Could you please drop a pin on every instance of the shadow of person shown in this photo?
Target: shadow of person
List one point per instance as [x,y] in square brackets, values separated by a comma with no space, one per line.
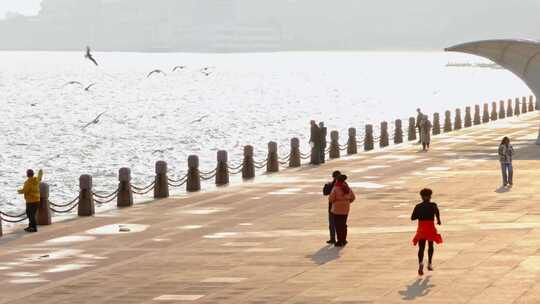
[502,189]
[417,289]
[325,254]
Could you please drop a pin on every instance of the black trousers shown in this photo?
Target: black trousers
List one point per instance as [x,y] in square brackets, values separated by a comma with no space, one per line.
[331,225]
[31,211]
[340,222]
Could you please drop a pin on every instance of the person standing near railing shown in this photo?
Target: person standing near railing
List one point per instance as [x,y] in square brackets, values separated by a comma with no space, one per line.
[419,118]
[506,152]
[324,132]
[32,197]
[315,142]
[425,132]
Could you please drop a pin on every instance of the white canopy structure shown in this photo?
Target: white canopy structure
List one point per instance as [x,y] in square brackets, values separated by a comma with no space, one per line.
[521,57]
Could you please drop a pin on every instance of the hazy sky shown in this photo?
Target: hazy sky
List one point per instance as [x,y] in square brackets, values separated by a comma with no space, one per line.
[27,7]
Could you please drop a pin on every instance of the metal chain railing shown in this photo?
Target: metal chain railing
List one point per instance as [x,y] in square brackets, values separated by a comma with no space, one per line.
[63,205]
[144,188]
[64,211]
[4,218]
[106,196]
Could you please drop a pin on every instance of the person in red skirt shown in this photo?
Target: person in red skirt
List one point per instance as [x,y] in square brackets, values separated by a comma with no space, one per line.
[425,213]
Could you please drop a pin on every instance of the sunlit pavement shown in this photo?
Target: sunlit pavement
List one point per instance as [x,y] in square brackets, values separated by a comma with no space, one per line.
[264,242]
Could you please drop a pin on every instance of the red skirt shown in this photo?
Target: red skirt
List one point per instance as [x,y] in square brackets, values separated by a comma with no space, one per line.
[427,231]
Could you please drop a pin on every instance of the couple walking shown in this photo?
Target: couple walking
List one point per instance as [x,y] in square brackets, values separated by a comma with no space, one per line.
[340,198]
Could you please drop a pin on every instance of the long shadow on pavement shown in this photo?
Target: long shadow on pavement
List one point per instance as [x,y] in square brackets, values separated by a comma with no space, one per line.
[325,254]
[418,289]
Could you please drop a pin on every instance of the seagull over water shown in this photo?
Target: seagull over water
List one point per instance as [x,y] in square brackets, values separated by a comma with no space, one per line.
[72,82]
[156,71]
[89,86]
[200,119]
[178,67]
[89,56]
[93,122]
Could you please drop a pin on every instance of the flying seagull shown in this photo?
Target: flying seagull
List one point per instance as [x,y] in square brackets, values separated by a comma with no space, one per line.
[72,82]
[155,71]
[200,119]
[89,56]
[93,122]
[89,86]
[178,67]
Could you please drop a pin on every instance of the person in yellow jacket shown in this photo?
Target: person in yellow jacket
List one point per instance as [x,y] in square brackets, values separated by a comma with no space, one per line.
[32,197]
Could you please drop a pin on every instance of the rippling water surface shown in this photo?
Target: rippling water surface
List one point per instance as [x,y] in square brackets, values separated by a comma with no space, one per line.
[246,99]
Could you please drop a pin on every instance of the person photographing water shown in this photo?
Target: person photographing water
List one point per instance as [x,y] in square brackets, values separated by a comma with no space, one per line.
[425,213]
[32,197]
[506,152]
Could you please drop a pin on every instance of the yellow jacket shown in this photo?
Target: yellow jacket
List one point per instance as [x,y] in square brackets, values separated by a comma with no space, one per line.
[31,188]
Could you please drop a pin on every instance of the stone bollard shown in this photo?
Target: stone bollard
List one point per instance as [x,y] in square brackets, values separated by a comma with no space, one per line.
[193,183]
[537,103]
[531,104]
[447,122]
[436,124]
[485,115]
[161,185]
[248,166]
[457,120]
[44,213]
[384,139]
[524,105]
[509,109]
[517,110]
[334,145]
[352,145]
[86,196]
[468,118]
[273,162]
[295,159]
[398,132]
[125,195]
[222,169]
[1,233]
[494,115]
[502,111]
[368,138]
[412,129]
[477,119]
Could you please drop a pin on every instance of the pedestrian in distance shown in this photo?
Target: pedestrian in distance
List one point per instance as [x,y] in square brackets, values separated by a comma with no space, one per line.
[341,199]
[419,118]
[425,213]
[324,143]
[32,197]
[327,190]
[315,142]
[425,132]
[506,153]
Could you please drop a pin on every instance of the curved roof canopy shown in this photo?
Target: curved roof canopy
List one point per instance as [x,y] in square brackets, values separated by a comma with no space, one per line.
[521,57]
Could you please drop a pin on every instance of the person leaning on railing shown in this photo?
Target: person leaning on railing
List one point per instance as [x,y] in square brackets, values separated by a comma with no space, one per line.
[32,197]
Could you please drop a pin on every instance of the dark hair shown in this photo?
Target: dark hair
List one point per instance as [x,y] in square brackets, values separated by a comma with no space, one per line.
[29,173]
[342,178]
[426,192]
[505,139]
[336,174]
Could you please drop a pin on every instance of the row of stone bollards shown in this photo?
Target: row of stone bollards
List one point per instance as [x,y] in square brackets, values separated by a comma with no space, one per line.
[86,200]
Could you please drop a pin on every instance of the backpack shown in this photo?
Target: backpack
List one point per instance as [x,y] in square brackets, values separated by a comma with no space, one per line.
[327,189]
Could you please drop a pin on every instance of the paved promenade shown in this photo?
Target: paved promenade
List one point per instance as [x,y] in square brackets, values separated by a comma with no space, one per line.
[264,242]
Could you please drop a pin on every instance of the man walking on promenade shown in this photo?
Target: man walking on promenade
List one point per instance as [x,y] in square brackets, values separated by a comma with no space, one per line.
[315,142]
[326,192]
[32,198]
[506,152]
[419,118]
[323,129]
[425,133]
